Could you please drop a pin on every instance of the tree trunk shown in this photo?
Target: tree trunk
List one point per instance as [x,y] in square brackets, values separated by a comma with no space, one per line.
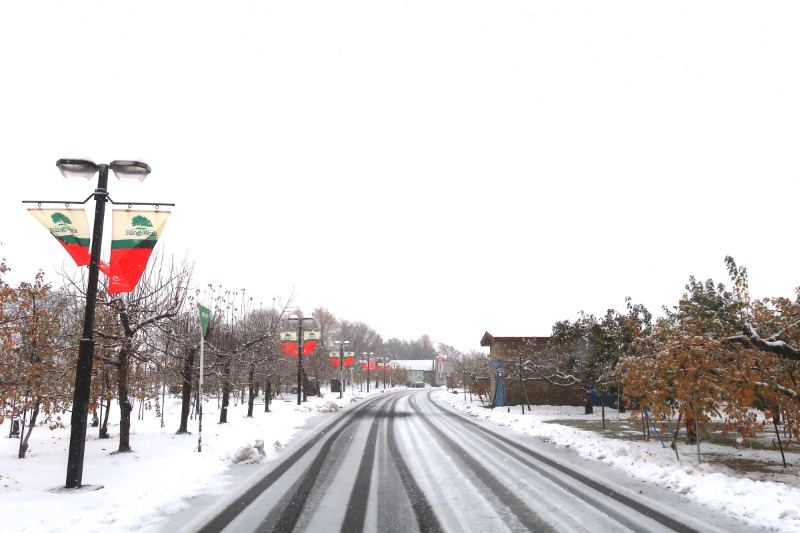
[104,425]
[675,435]
[252,390]
[267,395]
[603,410]
[691,433]
[125,407]
[226,391]
[23,448]
[186,391]
[103,433]
[588,407]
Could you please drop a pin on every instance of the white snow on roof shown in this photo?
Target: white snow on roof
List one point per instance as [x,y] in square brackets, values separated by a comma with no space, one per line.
[414,364]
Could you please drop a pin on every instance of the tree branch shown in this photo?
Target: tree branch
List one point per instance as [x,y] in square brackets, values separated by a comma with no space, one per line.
[773,346]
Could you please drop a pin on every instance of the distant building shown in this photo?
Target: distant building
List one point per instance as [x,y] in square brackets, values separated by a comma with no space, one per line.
[434,372]
[505,351]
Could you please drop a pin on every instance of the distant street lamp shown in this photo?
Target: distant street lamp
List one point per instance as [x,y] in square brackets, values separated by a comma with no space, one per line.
[368,356]
[81,169]
[384,363]
[392,369]
[341,345]
[300,386]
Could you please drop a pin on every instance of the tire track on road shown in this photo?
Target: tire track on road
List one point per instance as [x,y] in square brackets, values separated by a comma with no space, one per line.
[218,522]
[426,518]
[638,506]
[531,520]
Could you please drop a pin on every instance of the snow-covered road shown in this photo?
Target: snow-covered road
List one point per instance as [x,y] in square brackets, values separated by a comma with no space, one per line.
[404,462]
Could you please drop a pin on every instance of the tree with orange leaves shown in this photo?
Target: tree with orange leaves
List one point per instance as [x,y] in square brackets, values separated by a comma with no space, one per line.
[705,361]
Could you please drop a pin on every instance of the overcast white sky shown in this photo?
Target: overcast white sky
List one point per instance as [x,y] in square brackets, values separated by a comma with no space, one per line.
[425,167]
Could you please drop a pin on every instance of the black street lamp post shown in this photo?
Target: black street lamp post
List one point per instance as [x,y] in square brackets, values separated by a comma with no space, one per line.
[80,169]
[341,345]
[300,385]
[368,356]
[384,363]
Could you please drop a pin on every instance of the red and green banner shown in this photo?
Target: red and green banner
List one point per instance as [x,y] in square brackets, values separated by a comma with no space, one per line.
[349,358]
[134,234]
[289,342]
[310,340]
[70,228]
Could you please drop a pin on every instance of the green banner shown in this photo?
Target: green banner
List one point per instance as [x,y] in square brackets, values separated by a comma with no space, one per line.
[205,318]
[311,335]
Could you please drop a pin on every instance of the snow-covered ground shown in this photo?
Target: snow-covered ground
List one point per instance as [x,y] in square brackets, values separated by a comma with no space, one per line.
[754,499]
[164,470]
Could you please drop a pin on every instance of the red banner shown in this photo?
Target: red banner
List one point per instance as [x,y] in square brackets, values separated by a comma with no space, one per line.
[134,235]
[308,347]
[290,348]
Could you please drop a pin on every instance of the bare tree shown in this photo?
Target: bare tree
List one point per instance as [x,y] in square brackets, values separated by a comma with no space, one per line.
[158,298]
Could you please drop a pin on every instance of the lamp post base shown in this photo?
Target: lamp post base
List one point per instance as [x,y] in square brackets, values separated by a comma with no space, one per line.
[70,490]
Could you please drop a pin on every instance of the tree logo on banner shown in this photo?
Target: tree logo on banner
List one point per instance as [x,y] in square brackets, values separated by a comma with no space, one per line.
[141,222]
[60,219]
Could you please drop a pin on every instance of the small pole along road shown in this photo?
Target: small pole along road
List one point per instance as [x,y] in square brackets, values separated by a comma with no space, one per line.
[401,461]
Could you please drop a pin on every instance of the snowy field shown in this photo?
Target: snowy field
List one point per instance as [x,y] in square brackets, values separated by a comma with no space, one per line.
[164,471]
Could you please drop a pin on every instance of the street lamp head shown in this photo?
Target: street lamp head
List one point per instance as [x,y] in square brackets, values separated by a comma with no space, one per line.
[130,170]
[81,169]
[77,169]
